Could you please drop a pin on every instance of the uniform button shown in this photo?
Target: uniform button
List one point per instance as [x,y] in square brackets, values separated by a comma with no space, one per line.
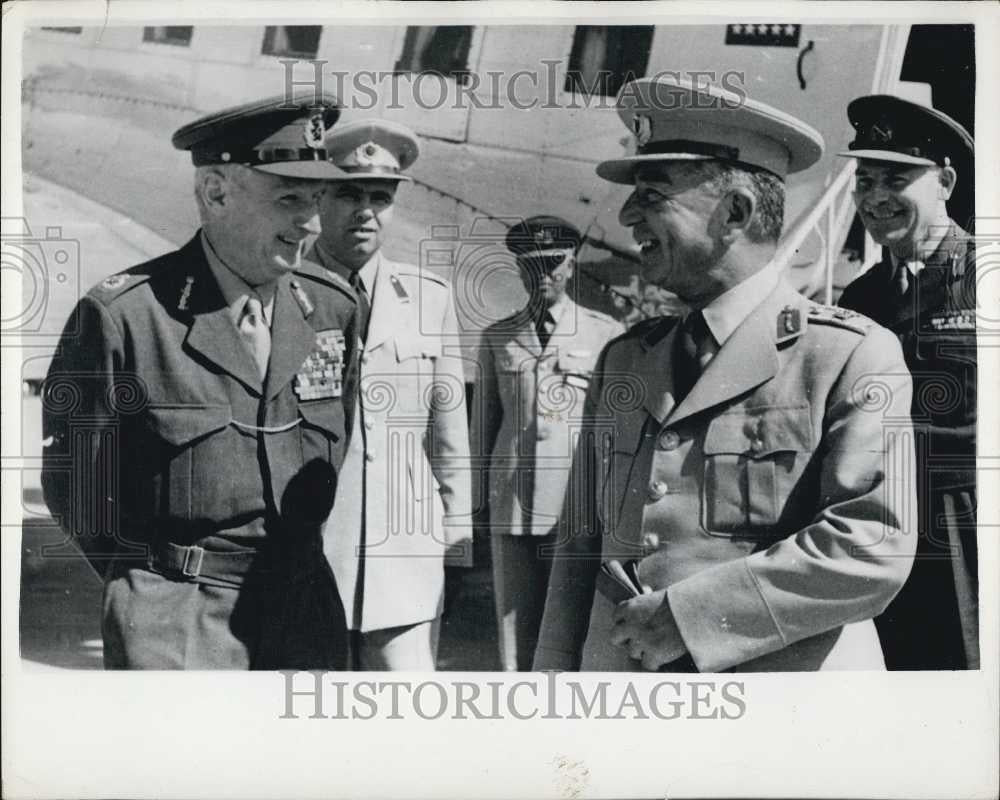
[657,489]
[757,445]
[370,455]
[364,358]
[650,540]
[668,440]
[369,424]
[542,434]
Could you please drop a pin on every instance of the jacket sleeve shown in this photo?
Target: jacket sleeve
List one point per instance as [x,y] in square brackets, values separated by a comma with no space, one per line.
[854,556]
[81,449]
[450,445]
[577,556]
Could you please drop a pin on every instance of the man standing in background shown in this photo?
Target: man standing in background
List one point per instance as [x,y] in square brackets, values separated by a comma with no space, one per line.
[924,290]
[404,501]
[535,368]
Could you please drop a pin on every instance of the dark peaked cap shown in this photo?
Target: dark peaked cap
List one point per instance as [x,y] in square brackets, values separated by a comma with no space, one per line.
[544,232]
[281,135]
[889,128]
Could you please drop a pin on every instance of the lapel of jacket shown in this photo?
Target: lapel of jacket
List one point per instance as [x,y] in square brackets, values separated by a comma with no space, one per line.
[525,334]
[933,280]
[211,332]
[292,339]
[656,370]
[747,359]
[389,298]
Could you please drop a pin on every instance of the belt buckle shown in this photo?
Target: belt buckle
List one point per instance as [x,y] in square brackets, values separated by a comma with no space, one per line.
[197,555]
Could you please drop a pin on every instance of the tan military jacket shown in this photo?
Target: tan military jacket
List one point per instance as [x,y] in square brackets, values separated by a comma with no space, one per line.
[775,503]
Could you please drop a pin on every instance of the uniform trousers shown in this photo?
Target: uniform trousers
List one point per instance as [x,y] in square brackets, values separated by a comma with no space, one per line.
[403,648]
[520,582]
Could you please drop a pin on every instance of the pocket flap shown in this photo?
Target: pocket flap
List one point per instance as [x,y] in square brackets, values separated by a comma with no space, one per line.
[325,415]
[760,432]
[181,424]
[416,347]
[576,362]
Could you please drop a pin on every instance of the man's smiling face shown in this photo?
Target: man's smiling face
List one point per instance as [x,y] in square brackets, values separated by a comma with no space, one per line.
[899,202]
[671,215]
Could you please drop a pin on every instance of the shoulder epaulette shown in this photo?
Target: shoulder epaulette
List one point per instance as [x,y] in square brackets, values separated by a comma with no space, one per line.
[600,316]
[315,272]
[411,270]
[839,318]
[115,286]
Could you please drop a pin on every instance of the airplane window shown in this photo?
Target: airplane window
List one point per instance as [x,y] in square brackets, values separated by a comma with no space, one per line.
[440,49]
[605,58]
[295,41]
[169,34]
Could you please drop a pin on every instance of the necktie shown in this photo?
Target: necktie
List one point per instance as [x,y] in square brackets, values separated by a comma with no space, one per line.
[545,325]
[253,328]
[364,304]
[901,280]
[692,353]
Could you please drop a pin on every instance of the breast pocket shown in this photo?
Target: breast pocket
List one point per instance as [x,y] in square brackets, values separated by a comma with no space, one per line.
[418,387]
[194,455]
[752,461]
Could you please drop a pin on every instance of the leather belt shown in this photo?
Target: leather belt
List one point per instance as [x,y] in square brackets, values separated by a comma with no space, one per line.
[197,564]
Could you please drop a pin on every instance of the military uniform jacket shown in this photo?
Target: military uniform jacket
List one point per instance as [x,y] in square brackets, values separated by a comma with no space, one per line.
[161,430]
[774,503]
[936,326]
[406,496]
[934,622]
[527,411]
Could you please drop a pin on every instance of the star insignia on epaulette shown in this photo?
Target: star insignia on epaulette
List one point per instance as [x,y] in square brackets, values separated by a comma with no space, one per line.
[114,282]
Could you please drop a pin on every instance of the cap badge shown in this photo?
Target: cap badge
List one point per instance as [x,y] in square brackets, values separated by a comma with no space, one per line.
[365,154]
[314,131]
[880,132]
[544,237]
[642,127]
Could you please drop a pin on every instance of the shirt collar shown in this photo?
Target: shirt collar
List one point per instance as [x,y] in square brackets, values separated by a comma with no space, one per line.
[557,309]
[235,290]
[929,246]
[727,311]
[368,272]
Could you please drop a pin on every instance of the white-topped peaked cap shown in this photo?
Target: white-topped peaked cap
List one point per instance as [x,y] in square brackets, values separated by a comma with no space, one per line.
[372,148]
[675,120]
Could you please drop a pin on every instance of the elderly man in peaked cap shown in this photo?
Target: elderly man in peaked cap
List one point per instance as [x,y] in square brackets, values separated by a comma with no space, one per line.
[197,418]
[404,503]
[535,367]
[910,161]
[744,478]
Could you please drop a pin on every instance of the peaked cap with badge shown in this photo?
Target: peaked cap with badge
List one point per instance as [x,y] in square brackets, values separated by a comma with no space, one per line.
[542,233]
[889,128]
[372,149]
[675,120]
[281,135]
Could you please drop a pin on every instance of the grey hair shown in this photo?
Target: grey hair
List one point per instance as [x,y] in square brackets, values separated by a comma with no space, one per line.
[767,188]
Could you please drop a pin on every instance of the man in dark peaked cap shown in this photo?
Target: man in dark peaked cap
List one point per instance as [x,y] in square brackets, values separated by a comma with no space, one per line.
[535,367]
[742,487]
[196,420]
[911,159]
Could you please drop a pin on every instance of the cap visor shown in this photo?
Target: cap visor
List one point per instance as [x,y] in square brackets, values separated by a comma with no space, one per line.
[622,170]
[316,170]
[344,175]
[887,155]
